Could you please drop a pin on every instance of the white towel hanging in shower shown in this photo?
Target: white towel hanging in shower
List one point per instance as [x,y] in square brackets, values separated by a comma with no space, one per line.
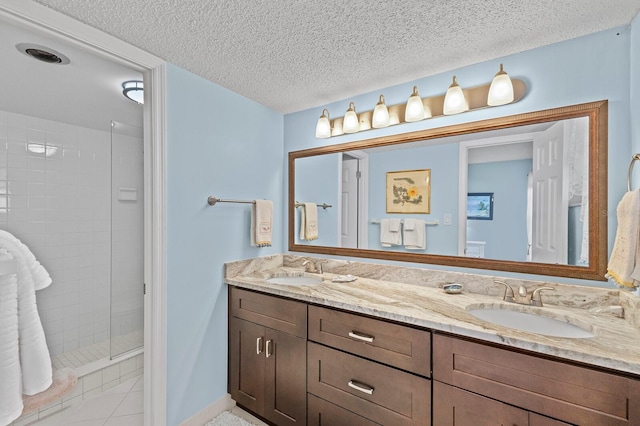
[35,361]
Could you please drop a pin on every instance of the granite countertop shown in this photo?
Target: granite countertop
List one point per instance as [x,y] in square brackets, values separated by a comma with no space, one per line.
[422,302]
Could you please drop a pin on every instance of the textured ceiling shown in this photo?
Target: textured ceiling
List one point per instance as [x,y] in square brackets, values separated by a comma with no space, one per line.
[292,55]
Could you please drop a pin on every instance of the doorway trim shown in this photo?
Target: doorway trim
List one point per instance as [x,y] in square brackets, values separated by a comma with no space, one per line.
[55,24]
[463,176]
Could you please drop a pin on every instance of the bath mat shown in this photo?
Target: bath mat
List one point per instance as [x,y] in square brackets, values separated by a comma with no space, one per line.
[63,382]
[226,418]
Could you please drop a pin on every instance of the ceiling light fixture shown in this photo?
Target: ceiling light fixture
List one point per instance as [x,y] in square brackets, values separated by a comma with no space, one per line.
[501,90]
[43,53]
[380,114]
[454,101]
[415,108]
[323,128]
[351,123]
[133,90]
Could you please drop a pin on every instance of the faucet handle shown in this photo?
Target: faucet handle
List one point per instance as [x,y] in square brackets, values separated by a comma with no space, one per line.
[319,264]
[309,265]
[536,298]
[506,297]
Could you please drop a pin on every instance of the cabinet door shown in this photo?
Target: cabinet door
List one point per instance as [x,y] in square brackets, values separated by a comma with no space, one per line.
[285,378]
[453,406]
[246,364]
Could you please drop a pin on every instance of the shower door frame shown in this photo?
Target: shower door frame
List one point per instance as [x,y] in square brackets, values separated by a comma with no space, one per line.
[41,18]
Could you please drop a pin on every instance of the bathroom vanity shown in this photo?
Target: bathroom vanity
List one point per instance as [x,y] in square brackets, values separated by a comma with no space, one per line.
[392,348]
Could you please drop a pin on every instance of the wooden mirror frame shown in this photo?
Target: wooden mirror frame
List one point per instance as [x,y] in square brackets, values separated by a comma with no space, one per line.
[598,122]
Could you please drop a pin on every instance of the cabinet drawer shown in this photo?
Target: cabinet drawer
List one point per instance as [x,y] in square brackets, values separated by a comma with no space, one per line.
[324,413]
[564,391]
[400,346]
[453,406]
[371,390]
[284,315]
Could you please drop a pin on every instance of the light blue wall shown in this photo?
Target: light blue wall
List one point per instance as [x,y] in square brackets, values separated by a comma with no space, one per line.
[590,68]
[635,96]
[211,151]
[317,182]
[442,160]
[506,234]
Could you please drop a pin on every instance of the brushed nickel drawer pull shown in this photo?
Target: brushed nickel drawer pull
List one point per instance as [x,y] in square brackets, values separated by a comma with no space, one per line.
[268,350]
[362,337]
[361,387]
[258,345]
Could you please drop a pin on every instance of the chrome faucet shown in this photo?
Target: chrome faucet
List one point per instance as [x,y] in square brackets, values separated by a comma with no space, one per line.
[313,267]
[523,297]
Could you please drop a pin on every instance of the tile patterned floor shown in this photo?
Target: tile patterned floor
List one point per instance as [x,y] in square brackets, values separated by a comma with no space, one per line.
[121,405]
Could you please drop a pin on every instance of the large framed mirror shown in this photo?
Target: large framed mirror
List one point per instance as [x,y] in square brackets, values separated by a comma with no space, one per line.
[545,173]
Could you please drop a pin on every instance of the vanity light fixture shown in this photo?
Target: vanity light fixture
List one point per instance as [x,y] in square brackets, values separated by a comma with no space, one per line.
[380,114]
[415,108]
[133,90]
[454,100]
[351,123]
[323,128]
[501,90]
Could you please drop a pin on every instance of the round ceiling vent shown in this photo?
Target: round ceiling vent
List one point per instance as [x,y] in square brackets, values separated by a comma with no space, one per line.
[42,53]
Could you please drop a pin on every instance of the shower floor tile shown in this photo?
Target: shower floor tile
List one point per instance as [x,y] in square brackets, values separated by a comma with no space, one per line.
[97,351]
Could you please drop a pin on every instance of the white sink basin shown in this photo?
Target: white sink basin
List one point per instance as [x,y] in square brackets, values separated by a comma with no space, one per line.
[530,322]
[295,280]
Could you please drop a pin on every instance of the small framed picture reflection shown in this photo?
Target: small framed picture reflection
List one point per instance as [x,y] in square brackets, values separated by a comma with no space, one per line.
[409,191]
[480,205]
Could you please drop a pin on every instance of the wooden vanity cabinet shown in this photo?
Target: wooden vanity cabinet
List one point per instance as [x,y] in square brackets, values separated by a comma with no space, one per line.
[470,376]
[267,356]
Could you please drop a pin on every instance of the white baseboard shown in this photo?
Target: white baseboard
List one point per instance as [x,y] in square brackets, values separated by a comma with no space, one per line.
[209,412]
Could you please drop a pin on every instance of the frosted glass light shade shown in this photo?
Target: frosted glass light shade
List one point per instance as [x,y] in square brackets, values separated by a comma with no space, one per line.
[134,90]
[454,100]
[414,111]
[501,90]
[351,124]
[323,128]
[380,114]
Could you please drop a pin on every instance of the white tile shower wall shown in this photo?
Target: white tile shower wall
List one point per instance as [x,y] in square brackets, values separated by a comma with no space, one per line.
[56,183]
[128,242]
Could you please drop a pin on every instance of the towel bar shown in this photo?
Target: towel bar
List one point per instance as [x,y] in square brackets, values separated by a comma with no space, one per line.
[434,222]
[633,160]
[213,200]
[323,205]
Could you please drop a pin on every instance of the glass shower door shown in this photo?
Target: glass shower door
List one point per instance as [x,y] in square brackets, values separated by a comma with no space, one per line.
[127,235]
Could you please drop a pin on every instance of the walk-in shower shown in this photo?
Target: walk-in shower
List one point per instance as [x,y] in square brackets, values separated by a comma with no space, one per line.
[74,196]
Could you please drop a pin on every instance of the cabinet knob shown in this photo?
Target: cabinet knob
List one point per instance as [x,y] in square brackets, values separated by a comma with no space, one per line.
[258,345]
[268,349]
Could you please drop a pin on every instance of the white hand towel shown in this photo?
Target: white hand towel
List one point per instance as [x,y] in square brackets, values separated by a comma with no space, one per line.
[309,222]
[11,383]
[35,361]
[261,223]
[624,264]
[409,224]
[388,237]
[414,234]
